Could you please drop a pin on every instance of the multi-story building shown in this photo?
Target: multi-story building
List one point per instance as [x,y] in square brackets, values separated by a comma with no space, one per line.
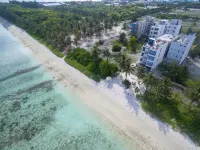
[180,47]
[173,27]
[142,28]
[165,27]
[157,30]
[154,51]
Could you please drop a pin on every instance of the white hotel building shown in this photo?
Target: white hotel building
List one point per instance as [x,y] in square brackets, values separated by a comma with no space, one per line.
[180,47]
[165,27]
[154,51]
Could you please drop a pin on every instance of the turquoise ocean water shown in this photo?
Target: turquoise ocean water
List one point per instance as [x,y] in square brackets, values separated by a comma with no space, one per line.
[38,113]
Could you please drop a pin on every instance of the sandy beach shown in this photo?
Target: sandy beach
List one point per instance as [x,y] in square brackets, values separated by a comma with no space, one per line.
[108,99]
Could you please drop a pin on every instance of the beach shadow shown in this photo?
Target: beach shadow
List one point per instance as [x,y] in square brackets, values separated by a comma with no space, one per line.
[132,104]
[110,85]
[163,127]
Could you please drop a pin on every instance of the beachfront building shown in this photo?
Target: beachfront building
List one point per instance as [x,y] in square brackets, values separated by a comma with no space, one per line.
[165,27]
[154,51]
[180,47]
[142,28]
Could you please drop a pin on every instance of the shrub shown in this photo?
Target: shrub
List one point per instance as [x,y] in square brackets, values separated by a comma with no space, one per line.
[116,48]
[104,69]
[176,73]
[82,69]
[107,69]
[101,42]
[91,67]
[127,83]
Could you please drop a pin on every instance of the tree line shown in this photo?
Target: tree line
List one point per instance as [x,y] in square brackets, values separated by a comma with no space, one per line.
[55,25]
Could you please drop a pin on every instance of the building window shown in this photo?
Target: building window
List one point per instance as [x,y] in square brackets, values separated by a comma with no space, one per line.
[152,52]
[149,63]
[151,58]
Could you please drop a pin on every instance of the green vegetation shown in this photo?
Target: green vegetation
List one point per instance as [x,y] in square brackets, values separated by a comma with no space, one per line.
[116,47]
[132,44]
[160,100]
[195,51]
[127,83]
[55,24]
[176,73]
[82,69]
[90,63]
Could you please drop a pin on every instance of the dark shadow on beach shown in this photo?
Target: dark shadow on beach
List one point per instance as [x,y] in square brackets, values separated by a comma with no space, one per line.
[163,127]
[132,104]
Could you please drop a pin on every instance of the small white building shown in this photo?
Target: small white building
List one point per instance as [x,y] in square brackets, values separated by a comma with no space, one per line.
[154,51]
[180,47]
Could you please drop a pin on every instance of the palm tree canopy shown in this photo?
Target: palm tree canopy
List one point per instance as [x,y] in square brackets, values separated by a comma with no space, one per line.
[128,68]
[149,80]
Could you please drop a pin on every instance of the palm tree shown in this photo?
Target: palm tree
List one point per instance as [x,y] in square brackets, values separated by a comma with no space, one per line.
[193,91]
[163,89]
[128,68]
[149,80]
[140,72]
[122,61]
[106,54]
[95,55]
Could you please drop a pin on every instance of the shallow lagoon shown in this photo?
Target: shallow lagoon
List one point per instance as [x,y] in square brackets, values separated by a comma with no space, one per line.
[38,113]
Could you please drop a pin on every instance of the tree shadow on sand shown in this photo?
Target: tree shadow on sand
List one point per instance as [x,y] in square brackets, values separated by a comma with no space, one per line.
[163,127]
[132,104]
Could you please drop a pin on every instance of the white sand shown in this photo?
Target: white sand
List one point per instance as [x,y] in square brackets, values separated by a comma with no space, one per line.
[109,100]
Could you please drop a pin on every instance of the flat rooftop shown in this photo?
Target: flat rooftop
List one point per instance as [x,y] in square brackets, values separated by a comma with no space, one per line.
[184,39]
[166,38]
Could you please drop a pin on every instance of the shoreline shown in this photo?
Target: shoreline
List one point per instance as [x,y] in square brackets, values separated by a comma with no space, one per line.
[142,131]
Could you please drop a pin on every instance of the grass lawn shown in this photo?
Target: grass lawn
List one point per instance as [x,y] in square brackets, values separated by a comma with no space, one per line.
[82,69]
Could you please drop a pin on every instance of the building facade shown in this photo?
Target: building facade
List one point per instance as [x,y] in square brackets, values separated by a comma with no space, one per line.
[154,51]
[165,27]
[180,47]
[142,28]
[173,27]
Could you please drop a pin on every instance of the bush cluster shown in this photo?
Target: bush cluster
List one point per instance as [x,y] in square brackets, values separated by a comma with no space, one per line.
[176,73]
[91,63]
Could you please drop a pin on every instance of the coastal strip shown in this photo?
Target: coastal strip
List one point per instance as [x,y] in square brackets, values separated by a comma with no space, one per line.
[142,132]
